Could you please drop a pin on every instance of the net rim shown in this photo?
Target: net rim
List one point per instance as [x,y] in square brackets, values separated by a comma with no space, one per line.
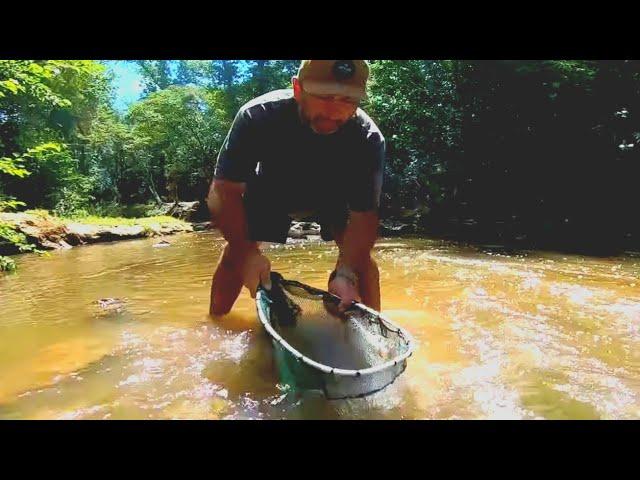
[408,338]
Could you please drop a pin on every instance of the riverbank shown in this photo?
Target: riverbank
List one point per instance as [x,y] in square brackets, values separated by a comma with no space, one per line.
[37,229]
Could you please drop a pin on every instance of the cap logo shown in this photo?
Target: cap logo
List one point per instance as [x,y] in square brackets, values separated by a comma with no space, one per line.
[343,69]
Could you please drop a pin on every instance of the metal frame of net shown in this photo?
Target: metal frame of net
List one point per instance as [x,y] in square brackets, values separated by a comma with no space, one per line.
[280,308]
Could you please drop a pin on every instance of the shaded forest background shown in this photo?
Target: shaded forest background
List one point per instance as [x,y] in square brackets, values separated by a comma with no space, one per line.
[533,153]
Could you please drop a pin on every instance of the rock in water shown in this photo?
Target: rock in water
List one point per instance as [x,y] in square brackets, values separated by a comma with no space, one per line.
[199,227]
[108,306]
[182,210]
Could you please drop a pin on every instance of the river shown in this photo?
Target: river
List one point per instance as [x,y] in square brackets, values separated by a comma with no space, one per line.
[501,335]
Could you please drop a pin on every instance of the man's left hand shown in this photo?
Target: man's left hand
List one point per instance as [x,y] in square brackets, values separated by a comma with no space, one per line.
[346,289]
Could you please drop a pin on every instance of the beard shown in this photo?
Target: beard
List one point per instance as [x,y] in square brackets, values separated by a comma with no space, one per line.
[321,124]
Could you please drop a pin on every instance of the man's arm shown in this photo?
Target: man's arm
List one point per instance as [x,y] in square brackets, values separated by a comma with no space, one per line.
[356,272]
[241,263]
[359,237]
[228,214]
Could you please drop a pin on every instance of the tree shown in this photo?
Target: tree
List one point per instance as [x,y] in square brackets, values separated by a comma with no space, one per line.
[43,105]
[182,128]
[156,75]
[415,105]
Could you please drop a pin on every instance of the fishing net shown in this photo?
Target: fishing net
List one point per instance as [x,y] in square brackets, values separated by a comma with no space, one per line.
[345,355]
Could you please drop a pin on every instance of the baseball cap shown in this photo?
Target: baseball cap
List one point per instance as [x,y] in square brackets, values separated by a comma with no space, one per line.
[347,78]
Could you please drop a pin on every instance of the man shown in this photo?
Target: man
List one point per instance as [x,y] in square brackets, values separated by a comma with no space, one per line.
[292,153]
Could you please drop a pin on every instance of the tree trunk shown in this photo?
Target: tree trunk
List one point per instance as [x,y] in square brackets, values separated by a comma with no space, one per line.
[152,188]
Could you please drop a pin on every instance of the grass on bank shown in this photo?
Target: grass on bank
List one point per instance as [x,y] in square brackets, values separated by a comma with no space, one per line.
[112,221]
[46,220]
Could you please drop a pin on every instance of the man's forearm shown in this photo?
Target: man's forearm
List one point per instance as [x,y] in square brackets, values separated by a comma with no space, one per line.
[358,241]
[241,262]
[228,213]
[355,262]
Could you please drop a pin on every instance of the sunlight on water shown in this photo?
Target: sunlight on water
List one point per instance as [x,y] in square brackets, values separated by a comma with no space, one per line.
[526,335]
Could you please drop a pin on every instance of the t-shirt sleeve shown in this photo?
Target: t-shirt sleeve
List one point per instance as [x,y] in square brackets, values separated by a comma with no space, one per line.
[238,158]
[364,195]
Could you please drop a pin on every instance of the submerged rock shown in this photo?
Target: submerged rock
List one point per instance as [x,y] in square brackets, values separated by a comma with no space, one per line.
[390,228]
[199,227]
[108,306]
[110,303]
[301,230]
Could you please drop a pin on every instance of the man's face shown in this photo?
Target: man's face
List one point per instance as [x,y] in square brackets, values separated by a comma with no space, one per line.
[325,114]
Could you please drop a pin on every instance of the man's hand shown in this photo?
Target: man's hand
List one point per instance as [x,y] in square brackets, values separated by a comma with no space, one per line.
[250,265]
[256,270]
[345,286]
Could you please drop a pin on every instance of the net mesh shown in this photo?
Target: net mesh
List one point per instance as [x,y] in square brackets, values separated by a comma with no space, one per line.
[346,355]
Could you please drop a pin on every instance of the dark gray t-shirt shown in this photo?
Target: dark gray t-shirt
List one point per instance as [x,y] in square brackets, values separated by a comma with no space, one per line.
[289,168]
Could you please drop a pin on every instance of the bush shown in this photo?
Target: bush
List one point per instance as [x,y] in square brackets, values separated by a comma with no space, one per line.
[7,265]
[17,241]
[111,210]
[73,198]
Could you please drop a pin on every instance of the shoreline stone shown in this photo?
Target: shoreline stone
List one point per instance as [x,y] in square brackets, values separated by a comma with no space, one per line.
[51,233]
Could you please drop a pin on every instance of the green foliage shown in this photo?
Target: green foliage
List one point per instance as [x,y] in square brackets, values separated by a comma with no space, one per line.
[44,106]
[179,131]
[55,181]
[72,198]
[114,209]
[8,203]
[48,100]
[13,167]
[116,221]
[32,80]
[157,74]
[7,264]
[416,107]
[63,147]
[9,234]
[537,145]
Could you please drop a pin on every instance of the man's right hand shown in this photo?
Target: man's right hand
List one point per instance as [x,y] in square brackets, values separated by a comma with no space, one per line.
[252,265]
[256,270]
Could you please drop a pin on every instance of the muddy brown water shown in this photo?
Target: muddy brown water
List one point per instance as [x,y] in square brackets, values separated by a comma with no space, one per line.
[528,335]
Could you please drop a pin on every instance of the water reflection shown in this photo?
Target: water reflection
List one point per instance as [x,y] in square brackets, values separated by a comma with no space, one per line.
[500,335]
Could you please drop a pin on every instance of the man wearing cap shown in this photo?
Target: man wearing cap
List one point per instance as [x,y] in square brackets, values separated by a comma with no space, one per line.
[295,153]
